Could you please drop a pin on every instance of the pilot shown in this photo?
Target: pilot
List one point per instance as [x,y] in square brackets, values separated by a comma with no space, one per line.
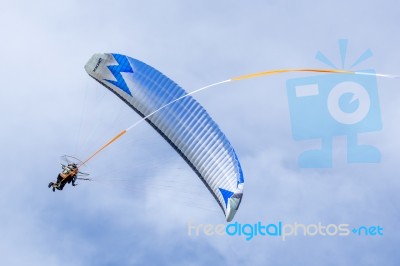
[68,174]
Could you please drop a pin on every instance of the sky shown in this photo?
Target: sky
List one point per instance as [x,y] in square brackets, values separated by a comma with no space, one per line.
[143,197]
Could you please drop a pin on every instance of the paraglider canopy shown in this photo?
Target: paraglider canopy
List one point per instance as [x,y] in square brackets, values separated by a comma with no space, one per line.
[179,119]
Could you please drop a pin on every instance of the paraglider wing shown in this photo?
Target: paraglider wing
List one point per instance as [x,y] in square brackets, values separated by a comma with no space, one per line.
[185,124]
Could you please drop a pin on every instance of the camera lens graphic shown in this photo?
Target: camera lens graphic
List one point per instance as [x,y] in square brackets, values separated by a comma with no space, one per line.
[348,103]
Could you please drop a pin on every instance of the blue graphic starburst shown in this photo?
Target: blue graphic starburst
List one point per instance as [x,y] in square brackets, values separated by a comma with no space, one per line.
[343,43]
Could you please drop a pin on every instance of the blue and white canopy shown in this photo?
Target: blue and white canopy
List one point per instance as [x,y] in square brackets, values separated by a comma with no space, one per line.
[184,124]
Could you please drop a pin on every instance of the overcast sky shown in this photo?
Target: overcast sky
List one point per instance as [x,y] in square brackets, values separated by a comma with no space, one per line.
[137,209]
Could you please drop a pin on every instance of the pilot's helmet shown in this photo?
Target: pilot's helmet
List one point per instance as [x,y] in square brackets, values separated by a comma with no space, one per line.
[66,170]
